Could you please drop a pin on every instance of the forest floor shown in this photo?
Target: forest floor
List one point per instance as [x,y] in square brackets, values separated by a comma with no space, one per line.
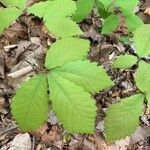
[19,61]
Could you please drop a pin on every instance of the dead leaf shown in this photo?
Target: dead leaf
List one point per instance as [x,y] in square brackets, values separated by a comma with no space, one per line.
[147,11]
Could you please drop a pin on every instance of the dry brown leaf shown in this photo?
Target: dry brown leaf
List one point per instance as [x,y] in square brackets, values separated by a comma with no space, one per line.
[147,11]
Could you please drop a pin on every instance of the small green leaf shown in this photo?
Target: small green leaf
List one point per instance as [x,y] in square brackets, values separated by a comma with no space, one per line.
[102,10]
[132,21]
[84,7]
[30,104]
[123,118]
[107,4]
[110,24]
[142,40]
[91,77]
[66,50]
[7,19]
[127,5]
[15,3]
[142,77]
[63,27]
[73,106]
[125,61]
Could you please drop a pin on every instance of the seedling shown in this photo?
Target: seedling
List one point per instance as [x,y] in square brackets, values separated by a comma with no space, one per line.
[71,78]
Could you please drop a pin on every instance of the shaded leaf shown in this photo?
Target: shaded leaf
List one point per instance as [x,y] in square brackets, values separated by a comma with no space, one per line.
[84,7]
[110,24]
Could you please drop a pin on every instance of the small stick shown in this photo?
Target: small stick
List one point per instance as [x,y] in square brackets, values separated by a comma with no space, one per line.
[8,129]
[20,72]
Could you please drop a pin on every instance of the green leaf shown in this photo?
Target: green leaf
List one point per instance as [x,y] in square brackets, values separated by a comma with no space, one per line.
[88,75]
[30,104]
[63,27]
[84,7]
[132,21]
[52,10]
[123,118]
[6,18]
[110,24]
[15,3]
[142,77]
[107,4]
[66,50]
[73,106]
[125,61]
[102,10]
[148,98]
[56,17]
[127,5]
[142,40]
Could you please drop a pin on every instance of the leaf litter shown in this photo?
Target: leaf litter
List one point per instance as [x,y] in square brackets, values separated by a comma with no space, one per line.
[18,47]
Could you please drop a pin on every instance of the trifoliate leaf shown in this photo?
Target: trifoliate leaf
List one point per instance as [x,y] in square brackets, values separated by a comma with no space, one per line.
[142,40]
[84,7]
[15,3]
[110,24]
[132,21]
[125,61]
[73,106]
[63,27]
[102,10]
[66,50]
[30,104]
[123,118]
[142,77]
[88,75]
[6,19]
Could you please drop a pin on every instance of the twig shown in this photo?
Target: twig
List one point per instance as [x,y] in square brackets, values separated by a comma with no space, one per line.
[8,129]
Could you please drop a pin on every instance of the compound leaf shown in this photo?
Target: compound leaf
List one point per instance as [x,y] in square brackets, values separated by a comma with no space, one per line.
[30,104]
[110,24]
[125,61]
[142,77]
[6,18]
[66,50]
[141,39]
[123,118]
[15,3]
[73,106]
[84,7]
[91,77]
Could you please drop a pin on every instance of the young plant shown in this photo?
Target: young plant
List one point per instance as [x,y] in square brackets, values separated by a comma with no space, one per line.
[71,78]
[123,118]
[112,10]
